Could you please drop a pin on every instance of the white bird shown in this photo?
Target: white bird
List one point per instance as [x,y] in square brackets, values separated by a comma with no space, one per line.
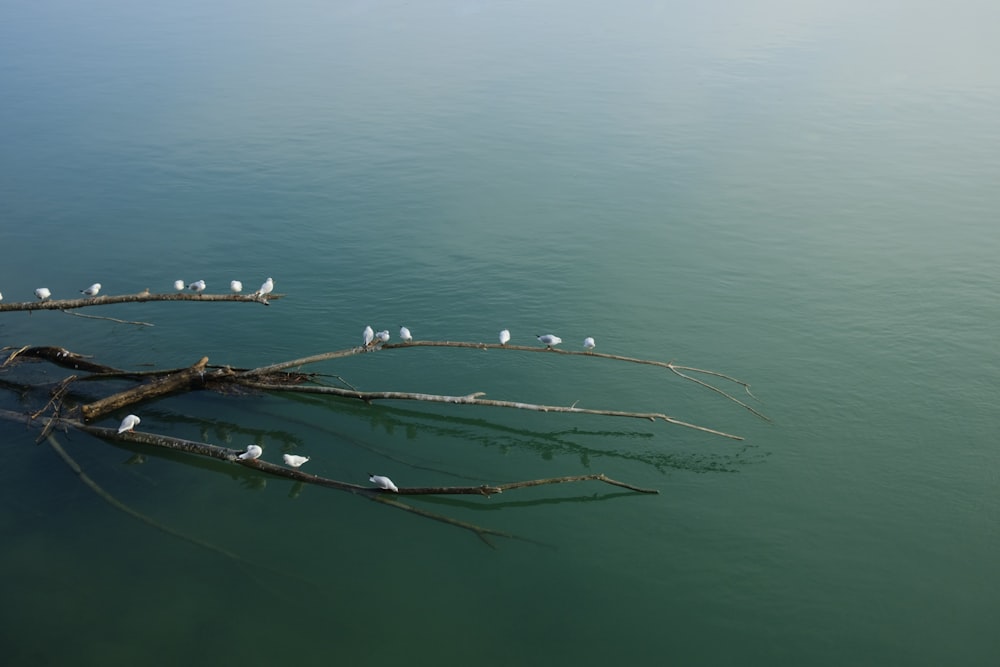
[368,335]
[236,286]
[252,452]
[382,482]
[405,334]
[179,285]
[92,290]
[549,340]
[504,337]
[1,296]
[589,344]
[197,286]
[383,336]
[129,423]
[266,287]
[43,293]
[295,461]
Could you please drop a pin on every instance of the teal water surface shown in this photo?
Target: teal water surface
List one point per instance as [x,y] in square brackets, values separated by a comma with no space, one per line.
[799,195]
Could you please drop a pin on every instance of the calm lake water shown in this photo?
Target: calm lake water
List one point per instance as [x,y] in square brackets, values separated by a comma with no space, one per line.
[802,195]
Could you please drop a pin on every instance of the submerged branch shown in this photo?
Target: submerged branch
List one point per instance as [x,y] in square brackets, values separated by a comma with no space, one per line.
[117,504]
[109,319]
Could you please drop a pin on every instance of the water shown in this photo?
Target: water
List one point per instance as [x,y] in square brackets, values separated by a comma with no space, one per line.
[797,194]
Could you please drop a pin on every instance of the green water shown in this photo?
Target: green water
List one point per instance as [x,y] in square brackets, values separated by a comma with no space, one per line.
[801,195]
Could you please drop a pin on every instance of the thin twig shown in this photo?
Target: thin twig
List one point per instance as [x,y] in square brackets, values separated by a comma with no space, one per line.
[13,355]
[716,389]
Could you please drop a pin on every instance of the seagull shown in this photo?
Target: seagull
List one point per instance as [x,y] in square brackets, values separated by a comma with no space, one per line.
[129,423]
[92,290]
[179,285]
[369,335]
[43,293]
[197,287]
[1,296]
[295,461]
[589,344]
[266,288]
[549,340]
[405,334]
[382,482]
[383,336]
[504,337]
[236,286]
[252,452]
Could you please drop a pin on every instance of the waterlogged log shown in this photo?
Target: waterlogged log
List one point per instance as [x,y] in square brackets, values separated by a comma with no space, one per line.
[187,379]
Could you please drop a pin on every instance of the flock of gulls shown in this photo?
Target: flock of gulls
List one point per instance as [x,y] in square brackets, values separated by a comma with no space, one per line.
[369,336]
[198,286]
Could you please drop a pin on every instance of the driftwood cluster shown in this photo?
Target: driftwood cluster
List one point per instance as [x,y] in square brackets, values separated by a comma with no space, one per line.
[62,412]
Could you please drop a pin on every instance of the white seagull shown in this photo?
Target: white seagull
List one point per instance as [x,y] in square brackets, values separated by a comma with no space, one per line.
[383,336]
[368,335]
[405,334]
[589,344]
[549,340]
[382,482]
[197,286]
[294,461]
[92,290]
[266,288]
[252,452]
[179,285]
[1,296]
[504,337]
[236,286]
[43,293]
[129,423]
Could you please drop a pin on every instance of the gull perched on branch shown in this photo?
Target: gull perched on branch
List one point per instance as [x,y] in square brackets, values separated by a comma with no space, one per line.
[43,293]
[549,340]
[179,285]
[383,336]
[382,482]
[129,423]
[266,288]
[589,344]
[236,286]
[368,335]
[92,290]
[295,461]
[252,452]
[198,286]
[504,337]
[405,334]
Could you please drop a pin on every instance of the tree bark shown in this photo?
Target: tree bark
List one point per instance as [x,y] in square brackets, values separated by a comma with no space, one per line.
[189,378]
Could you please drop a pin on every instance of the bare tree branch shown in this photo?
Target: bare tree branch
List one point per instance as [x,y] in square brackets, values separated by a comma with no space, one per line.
[146,295]
[475,399]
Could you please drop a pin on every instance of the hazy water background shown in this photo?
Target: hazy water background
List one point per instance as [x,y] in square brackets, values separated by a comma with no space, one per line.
[800,194]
